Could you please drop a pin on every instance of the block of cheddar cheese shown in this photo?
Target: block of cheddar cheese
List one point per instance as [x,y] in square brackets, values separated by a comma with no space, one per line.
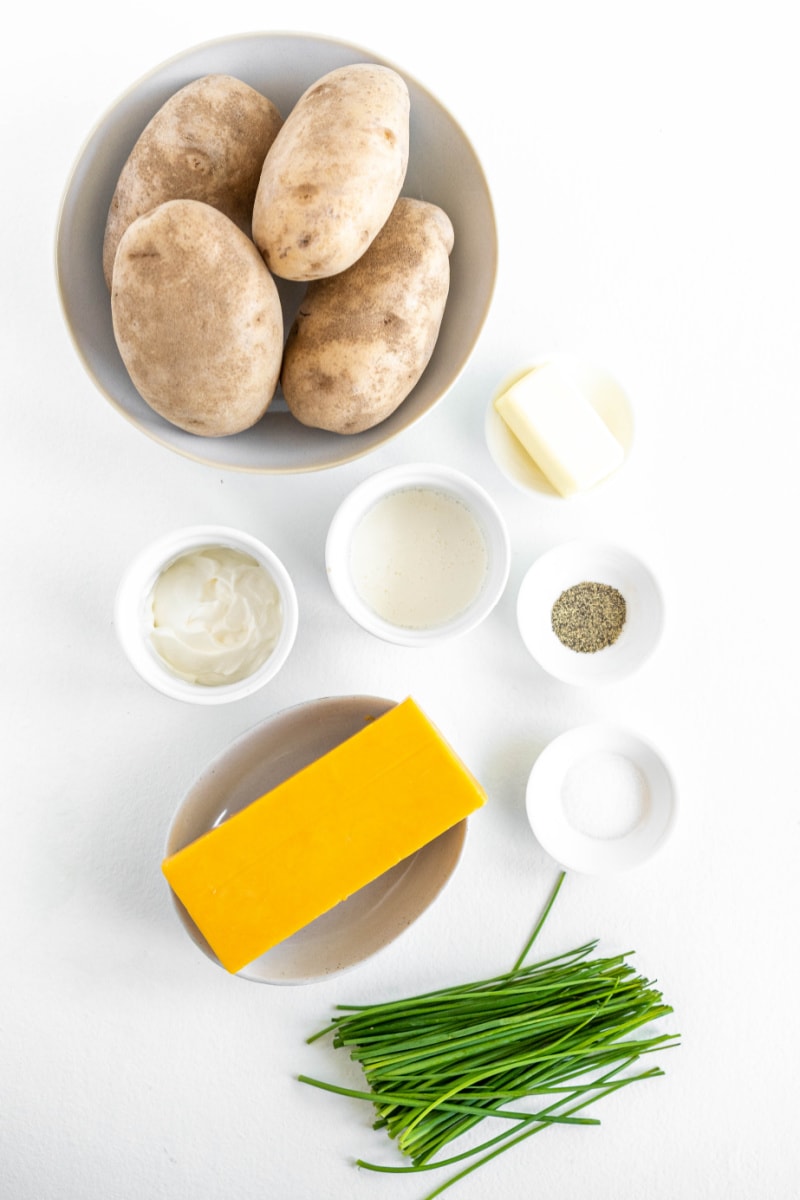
[327,831]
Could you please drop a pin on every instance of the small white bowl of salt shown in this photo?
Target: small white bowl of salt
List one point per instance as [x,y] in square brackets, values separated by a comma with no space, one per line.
[600,799]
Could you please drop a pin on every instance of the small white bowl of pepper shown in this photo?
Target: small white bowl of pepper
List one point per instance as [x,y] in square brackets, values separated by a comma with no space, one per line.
[590,613]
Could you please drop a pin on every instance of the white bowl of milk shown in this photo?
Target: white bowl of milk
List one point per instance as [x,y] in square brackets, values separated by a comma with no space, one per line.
[417,554]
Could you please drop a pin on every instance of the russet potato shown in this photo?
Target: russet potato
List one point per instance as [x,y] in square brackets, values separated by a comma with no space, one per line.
[333,172]
[363,338]
[197,318]
[207,142]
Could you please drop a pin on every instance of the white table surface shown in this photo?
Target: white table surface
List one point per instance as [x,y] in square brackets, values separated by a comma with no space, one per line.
[642,160]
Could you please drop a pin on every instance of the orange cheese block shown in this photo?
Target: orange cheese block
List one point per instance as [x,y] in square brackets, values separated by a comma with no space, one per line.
[322,834]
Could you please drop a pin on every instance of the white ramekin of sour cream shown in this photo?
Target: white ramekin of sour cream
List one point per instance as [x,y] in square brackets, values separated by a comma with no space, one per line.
[418,554]
[206,614]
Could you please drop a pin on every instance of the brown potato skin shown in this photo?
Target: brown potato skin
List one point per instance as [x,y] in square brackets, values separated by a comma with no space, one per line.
[197,318]
[333,173]
[207,142]
[362,339]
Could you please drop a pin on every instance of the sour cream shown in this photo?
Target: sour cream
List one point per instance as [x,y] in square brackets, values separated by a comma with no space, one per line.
[418,557]
[215,615]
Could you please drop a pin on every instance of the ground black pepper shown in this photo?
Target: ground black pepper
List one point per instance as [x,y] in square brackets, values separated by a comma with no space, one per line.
[588,617]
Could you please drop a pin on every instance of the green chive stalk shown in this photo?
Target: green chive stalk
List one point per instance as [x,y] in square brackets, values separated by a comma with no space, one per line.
[557,1035]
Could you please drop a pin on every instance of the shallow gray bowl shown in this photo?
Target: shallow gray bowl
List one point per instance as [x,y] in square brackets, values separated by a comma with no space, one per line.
[372,917]
[443,168]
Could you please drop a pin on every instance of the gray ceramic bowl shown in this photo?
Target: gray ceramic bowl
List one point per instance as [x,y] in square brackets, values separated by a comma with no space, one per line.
[372,917]
[443,169]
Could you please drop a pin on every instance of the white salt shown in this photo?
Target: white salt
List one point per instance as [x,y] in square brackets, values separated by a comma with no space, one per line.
[605,795]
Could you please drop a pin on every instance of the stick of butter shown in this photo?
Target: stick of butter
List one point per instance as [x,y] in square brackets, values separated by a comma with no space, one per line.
[321,835]
[560,430]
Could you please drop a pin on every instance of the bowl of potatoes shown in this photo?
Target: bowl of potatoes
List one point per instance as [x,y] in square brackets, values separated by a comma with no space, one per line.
[275,253]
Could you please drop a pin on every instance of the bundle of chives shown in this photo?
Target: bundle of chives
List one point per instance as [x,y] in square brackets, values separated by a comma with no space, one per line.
[437,1064]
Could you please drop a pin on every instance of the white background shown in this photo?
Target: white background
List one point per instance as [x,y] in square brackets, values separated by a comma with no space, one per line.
[643,163]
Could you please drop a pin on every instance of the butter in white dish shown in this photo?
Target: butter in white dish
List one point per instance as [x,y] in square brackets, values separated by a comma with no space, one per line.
[418,557]
[560,430]
[215,615]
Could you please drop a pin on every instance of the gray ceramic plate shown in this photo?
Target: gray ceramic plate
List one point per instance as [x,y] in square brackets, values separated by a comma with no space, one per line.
[443,168]
[365,922]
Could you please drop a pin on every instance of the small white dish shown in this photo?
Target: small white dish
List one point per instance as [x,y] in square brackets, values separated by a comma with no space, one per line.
[344,551]
[365,922]
[600,799]
[602,391]
[583,561]
[133,623]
